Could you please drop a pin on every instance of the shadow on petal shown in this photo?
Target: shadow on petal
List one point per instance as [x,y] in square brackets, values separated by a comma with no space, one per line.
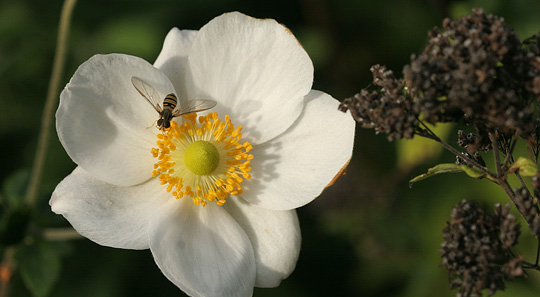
[202,250]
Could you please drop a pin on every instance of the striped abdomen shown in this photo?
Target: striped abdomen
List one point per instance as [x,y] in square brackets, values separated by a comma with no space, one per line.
[169,104]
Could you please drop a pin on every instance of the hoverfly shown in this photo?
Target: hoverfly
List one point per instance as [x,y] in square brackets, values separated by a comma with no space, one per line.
[169,110]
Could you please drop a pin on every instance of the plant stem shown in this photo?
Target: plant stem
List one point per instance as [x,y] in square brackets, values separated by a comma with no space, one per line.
[50,103]
[6,270]
[528,265]
[471,162]
[61,234]
[509,152]
[499,177]
[523,185]
[508,190]
[495,149]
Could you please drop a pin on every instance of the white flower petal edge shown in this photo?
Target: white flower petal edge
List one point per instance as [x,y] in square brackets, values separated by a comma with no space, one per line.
[102,120]
[275,236]
[255,69]
[109,215]
[294,168]
[173,58]
[202,250]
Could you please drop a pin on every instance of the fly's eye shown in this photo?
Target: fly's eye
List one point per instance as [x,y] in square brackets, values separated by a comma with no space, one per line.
[160,122]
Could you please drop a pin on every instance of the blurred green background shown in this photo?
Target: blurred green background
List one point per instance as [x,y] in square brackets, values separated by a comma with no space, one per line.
[368,235]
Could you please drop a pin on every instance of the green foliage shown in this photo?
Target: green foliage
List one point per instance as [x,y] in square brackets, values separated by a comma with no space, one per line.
[438,169]
[526,167]
[14,188]
[14,214]
[448,168]
[39,265]
[472,172]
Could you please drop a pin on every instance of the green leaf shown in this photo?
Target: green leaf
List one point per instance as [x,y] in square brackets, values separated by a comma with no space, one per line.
[39,265]
[472,172]
[14,214]
[526,167]
[438,169]
[14,187]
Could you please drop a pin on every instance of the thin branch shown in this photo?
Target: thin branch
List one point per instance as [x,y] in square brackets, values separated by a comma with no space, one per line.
[50,102]
[508,190]
[471,162]
[495,149]
[528,265]
[523,185]
[6,270]
[61,234]
[509,153]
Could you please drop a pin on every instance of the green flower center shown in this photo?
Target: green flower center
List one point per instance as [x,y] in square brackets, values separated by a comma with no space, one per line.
[201,157]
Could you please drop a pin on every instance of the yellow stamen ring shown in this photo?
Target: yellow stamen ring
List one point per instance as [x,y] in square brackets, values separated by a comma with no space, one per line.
[202,159]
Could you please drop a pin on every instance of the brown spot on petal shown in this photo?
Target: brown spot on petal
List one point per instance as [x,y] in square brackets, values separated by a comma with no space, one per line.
[341,173]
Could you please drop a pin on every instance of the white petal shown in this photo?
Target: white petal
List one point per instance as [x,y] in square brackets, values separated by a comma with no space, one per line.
[294,168]
[173,58]
[109,215]
[275,236]
[202,250]
[102,120]
[255,69]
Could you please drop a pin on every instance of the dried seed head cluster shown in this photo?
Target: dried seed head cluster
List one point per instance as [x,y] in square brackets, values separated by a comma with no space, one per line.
[532,44]
[388,110]
[475,250]
[474,70]
[528,208]
[473,142]
[536,185]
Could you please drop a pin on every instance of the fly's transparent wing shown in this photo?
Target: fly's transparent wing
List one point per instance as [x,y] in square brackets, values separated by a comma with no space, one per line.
[148,92]
[194,106]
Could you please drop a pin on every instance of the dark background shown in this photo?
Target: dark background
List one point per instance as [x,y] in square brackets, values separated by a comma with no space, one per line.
[368,235]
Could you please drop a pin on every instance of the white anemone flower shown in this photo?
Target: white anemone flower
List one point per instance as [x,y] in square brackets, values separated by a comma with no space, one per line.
[213,197]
